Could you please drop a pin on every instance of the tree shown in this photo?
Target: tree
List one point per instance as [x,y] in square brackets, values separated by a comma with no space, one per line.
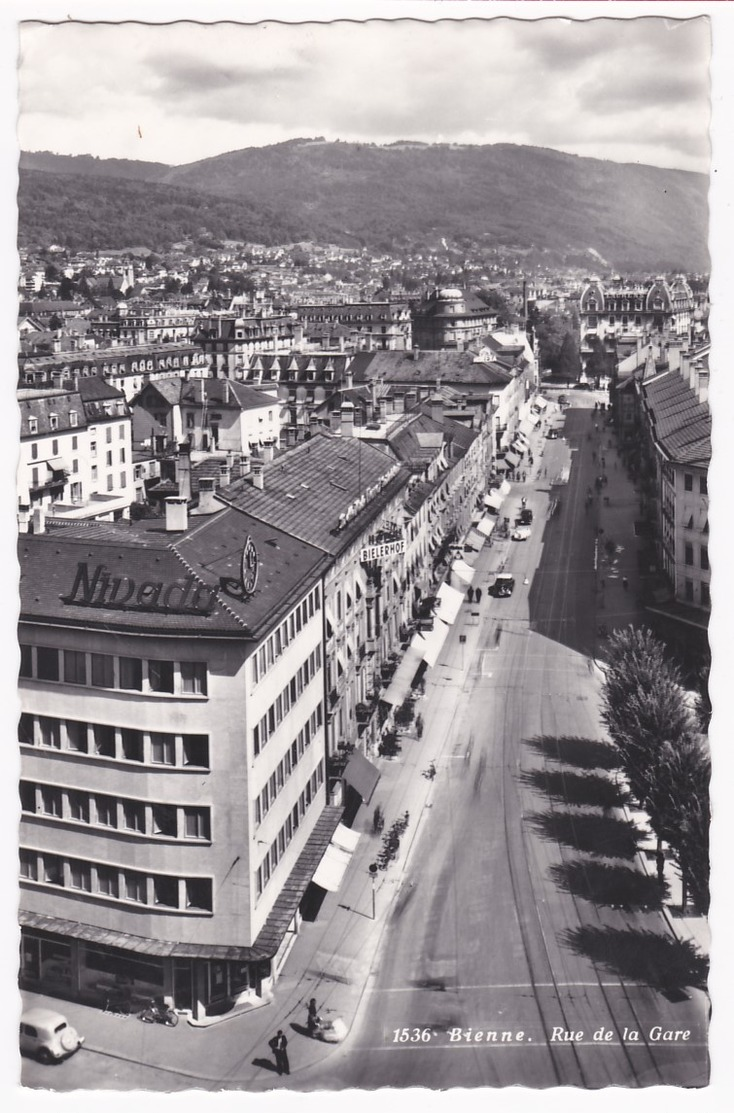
[680,811]
[569,364]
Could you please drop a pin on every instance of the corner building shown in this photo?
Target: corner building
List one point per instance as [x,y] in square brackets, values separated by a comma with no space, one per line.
[172,789]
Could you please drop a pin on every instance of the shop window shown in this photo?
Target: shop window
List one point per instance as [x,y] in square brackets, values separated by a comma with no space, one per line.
[47,663]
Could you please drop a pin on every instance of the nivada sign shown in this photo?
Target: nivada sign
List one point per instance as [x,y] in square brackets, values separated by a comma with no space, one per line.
[383,549]
[103,588]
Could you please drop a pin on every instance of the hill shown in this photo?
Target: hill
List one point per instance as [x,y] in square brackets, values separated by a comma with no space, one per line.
[637,217]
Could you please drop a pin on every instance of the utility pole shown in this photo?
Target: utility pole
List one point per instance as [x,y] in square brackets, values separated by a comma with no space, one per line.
[373,878]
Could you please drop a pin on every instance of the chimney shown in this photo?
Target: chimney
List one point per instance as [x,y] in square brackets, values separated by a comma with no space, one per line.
[290,436]
[348,379]
[268,452]
[39,520]
[416,351]
[335,421]
[183,471]
[435,408]
[258,474]
[382,409]
[187,373]
[57,379]
[207,493]
[703,384]
[347,419]
[177,514]
[244,465]
[224,475]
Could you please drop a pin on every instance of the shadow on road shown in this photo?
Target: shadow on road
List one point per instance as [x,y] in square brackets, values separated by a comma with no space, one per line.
[615,886]
[594,790]
[586,753]
[657,960]
[266,1064]
[596,834]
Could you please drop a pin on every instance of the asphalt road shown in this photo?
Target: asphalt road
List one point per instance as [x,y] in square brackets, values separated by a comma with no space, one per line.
[522,915]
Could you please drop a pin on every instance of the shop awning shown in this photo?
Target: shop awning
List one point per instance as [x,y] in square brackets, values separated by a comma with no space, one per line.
[526,427]
[474,539]
[362,775]
[504,488]
[485,526]
[449,603]
[539,403]
[434,642]
[464,571]
[512,459]
[332,867]
[520,447]
[493,499]
[403,677]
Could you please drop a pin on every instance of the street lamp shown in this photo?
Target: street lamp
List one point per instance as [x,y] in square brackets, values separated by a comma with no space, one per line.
[373,877]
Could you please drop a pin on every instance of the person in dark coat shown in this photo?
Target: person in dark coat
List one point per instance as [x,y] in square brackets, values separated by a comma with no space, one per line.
[478,595]
[312,1010]
[279,1047]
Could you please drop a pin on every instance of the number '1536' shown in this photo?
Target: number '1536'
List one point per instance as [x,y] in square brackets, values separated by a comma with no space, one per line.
[412,1035]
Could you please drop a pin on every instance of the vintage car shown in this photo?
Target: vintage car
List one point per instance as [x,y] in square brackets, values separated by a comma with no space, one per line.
[47,1035]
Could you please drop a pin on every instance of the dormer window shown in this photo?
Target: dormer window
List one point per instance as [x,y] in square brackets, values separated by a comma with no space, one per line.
[73,418]
[32,424]
[53,421]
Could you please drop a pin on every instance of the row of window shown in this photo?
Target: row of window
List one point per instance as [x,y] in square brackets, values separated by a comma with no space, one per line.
[170,821]
[287,764]
[703,483]
[103,670]
[181,893]
[689,593]
[116,743]
[280,707]
[703,556]
[270,651]
[277,849]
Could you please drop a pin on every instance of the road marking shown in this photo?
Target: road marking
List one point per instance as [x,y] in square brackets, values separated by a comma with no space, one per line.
[515,985]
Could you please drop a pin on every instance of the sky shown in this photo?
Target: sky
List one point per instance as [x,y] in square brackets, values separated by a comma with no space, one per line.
[630,90]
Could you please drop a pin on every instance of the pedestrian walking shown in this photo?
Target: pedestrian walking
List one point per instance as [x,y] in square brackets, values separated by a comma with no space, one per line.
[313,1013]
[478,595]
[279,1046]
[470,594]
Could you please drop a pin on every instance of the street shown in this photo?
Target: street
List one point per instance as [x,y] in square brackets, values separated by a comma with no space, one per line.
[521,915]
[518,940]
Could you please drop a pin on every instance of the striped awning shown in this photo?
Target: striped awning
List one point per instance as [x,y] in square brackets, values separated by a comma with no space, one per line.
[449,603]
[464,571]
[434,641]
[493,499]
[512,459]
[485,526]
[403,678]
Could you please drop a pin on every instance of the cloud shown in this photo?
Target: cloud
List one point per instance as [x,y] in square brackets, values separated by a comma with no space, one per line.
[202,89]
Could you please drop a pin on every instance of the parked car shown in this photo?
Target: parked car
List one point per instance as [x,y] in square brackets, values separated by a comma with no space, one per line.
[552,434]
[562,399]
[47,1035]
[521,533]
[504,585]
[525,517]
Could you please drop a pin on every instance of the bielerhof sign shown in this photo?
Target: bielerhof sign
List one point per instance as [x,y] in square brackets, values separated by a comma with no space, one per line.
[380,550]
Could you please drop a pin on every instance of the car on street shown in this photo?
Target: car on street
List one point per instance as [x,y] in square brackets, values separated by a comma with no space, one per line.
[552,434]
[521,533]
[504,585]
[525,517]
[47,1035]
[562,399]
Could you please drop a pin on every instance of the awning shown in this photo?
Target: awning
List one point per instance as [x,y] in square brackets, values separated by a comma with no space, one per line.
[526,427]
[464,571]
[345,838]
[362,775]
[500,465]
[332,867]
[504,488]
[403,677]
[434,642]
[539,403]
[485,526]
[449,603]
[474,539]
[535,418]
[493,499]
[512,459]
[519,447]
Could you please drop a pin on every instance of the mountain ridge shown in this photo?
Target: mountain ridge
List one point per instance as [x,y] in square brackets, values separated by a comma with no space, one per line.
[390,197]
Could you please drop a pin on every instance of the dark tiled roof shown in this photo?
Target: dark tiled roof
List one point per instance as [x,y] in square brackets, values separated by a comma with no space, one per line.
[681,424]
[427,366]
[308,487]
[41,405]
[94,388]
[210,551]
